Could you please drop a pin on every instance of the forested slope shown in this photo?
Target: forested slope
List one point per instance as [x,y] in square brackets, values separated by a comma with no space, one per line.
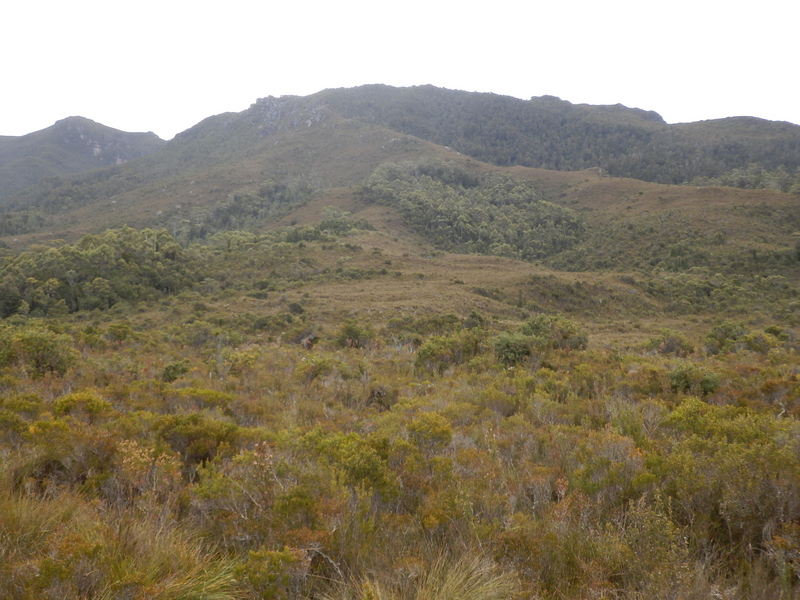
[549,133]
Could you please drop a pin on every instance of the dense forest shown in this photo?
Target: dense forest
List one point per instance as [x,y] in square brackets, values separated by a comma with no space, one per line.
[460,212]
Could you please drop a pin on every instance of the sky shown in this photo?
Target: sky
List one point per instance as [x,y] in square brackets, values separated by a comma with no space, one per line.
[165,65]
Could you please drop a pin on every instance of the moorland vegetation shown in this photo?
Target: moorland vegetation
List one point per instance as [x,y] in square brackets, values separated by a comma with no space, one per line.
[425,377]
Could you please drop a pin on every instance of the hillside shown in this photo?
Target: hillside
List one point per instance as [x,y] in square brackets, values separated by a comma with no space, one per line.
[296,354]
[549,133]
[69,146]
[274,162]
[338,137]
[544,132]
[290,143]
[168,424]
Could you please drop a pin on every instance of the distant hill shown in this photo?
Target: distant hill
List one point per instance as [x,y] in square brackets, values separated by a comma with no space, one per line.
[549,133]
[292,143]
[251,169]
[331,138]
[71,145]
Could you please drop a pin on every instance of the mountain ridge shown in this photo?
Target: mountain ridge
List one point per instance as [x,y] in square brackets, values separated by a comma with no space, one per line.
[71,145]
[542,132]
[337,138]
[546,132]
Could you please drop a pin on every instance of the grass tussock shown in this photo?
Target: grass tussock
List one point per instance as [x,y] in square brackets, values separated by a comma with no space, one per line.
[470,577]
[63,547]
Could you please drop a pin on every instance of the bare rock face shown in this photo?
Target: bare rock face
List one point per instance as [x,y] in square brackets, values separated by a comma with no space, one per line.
[273,114]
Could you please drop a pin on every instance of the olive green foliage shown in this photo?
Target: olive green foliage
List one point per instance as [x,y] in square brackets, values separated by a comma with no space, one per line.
[87,402]
[241,211]
[557,331]
[754,177]
[438,353]
[249,211]
[462,212]
[197,437]
[689,279]
[174,370]
[513,348]
[353,334]
[96,272]
[37,350]
[360,463]
[731,336]
[742,461]
[274,574]
[550,133]
[538,335]
[340,222]
[726,337]
[671,343]
[188,446]
[694,379]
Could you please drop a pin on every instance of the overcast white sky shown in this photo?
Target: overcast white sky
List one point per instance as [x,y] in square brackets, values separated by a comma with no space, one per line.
[164,65]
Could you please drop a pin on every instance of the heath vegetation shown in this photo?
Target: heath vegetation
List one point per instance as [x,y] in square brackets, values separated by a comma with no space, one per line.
[335,361]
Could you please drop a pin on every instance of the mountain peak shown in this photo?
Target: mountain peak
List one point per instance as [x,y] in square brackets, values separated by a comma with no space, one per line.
[74,120]
[70,145]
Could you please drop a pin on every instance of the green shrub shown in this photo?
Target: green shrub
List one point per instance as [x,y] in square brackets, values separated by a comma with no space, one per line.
[86,401]
[174,371]
[695,379]
[40,351]
[270,323]
[296,308]
[512,348]
[556,331]
[726,337]
[777,332]
[353,334]
[431,432]
[119,332]
[274,574]
[539,334]
[197,436]
[671,342]
[440,352]
[29,404]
